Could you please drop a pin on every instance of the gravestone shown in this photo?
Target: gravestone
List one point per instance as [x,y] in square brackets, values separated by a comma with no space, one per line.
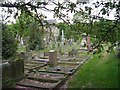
[12,70]
[58,44]
[17,68]
[53,45]
[53,61]
[59,51]
[40,55]
[6,74]
[46,53]
[83,42]
[73,52]
[21,55]
[28,56]
[25,56]
[37,48]
[89,47]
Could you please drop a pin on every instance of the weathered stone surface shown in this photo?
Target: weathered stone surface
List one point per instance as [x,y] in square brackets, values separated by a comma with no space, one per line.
[46,53]
[40,55]
[17,68]
[53,58]
[28,56]
[73,52]
[25,56]
[89,47]
[21,55]
[6,72]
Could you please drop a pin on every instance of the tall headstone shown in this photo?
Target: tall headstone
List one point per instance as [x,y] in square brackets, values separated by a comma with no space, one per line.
[89,43]
[53,61]
[62,40]
[58,44]
[62,35]
[53,45]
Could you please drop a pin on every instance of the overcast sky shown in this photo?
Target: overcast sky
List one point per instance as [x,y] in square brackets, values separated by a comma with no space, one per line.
[50,14]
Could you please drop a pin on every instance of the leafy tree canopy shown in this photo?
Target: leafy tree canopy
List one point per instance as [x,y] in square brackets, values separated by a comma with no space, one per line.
[102,30]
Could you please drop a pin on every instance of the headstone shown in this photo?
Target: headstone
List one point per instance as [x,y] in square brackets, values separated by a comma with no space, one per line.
[40,55]
[27,48]
[59,51]
[12,70]
[73,52]
[21,55]
[17,68]
[25,56]
[46,53]
[37,48]
[62,35]
[63,46]
[89,43]
[58,44]
[28,56]
[53,61]
[53,45]
[6,72]
[83,41]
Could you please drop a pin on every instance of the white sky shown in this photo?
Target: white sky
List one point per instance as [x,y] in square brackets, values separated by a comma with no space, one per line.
[50,14]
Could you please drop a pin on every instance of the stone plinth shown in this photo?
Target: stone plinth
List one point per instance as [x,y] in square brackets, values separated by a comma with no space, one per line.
[53,61]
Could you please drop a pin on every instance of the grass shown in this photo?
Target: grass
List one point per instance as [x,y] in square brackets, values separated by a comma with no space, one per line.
[97,73]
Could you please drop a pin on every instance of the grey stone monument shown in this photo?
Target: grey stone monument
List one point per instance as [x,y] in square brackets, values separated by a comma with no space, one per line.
[53,61]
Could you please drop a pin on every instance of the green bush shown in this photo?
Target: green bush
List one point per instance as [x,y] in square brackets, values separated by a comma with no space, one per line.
[36,40]
[9,44]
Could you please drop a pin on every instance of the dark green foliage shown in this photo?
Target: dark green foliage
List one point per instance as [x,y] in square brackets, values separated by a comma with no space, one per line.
[9,44]
[27,28]
[69,31]
[35,41]
[102,31]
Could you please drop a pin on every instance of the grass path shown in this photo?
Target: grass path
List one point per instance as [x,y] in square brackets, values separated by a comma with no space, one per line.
[97,73]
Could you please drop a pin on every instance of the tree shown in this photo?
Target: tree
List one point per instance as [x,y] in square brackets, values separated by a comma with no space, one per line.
[107,7]
[9,43]
[28,30]
[36,35]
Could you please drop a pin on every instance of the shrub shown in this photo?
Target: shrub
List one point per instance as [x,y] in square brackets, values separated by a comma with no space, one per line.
[9,43]
[36,41]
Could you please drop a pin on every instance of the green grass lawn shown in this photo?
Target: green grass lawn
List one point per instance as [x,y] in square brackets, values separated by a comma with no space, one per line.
[97,73]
